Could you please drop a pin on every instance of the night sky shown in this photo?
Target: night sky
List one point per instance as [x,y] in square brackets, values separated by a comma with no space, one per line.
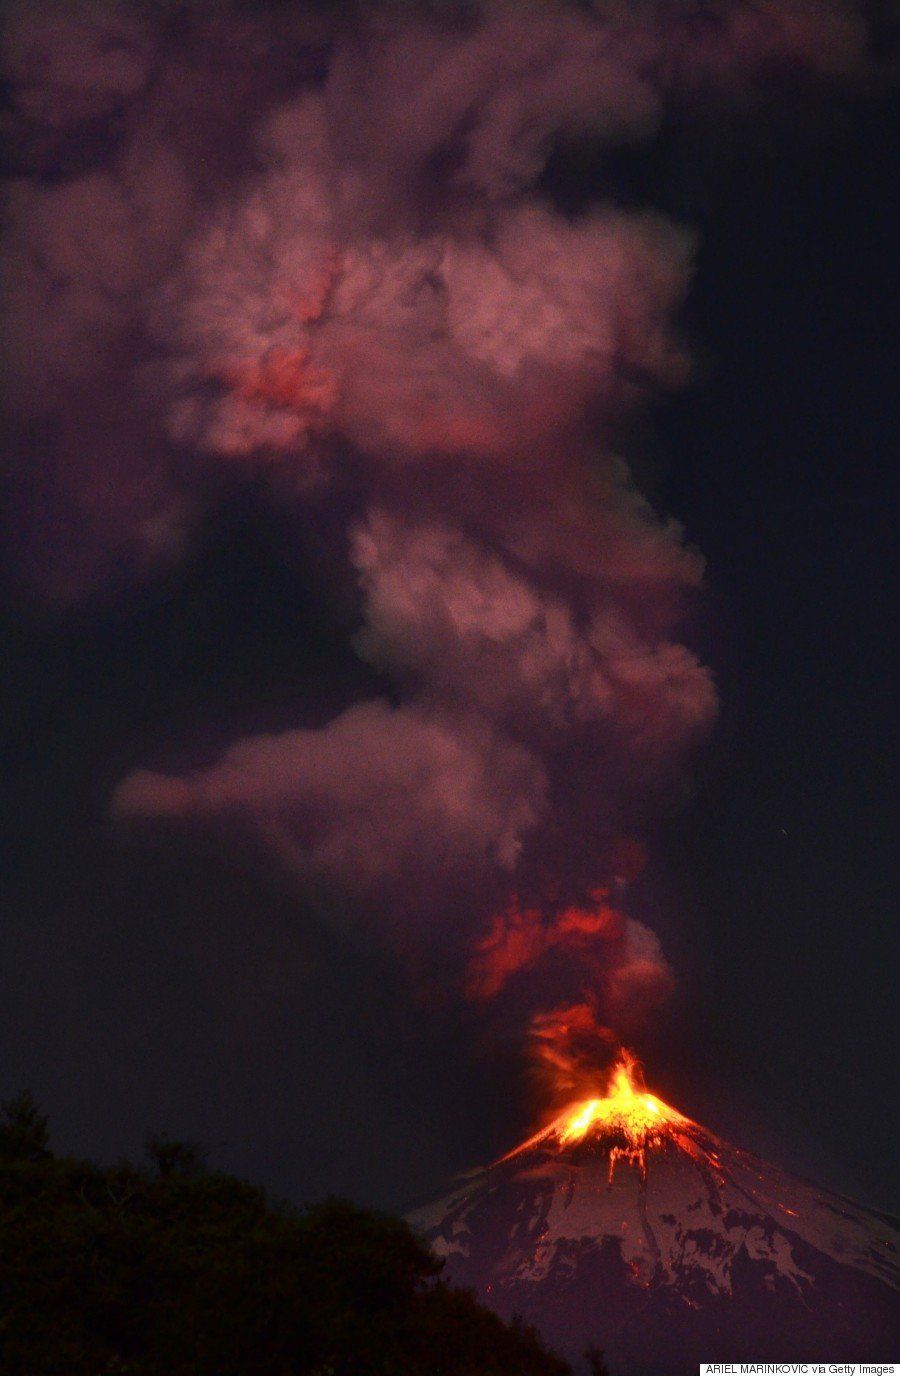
[153,979]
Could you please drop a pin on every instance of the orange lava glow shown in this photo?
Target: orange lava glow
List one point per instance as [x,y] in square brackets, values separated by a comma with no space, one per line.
[626,1119]
[519,937]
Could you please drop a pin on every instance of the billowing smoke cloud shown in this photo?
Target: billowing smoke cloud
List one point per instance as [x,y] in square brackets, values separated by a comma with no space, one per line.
[380,794]
[615,956]
[314,248]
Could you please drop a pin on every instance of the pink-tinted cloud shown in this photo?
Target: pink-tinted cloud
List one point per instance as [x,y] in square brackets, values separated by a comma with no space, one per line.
[474,629]
[488,86]
[311,247]
[68,63]
[379,796]
[410,346]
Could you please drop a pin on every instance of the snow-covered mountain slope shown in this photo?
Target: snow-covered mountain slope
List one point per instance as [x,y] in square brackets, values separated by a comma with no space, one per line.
[696,1252]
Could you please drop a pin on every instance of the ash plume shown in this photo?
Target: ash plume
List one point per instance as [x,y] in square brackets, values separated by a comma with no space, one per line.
[311,248]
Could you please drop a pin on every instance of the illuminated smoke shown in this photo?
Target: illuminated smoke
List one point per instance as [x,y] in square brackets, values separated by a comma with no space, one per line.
[312,249]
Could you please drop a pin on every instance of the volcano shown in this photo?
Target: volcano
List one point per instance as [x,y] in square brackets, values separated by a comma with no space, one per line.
[623,1224]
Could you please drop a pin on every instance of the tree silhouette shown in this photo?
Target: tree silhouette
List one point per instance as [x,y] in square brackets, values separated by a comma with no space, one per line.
[23,1130]
[174,1157]
[182,1271]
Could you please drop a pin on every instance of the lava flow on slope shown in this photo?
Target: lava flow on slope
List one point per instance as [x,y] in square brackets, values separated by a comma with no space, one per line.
[626,1224]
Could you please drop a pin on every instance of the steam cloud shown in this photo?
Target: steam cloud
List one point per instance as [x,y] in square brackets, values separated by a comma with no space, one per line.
[315,249]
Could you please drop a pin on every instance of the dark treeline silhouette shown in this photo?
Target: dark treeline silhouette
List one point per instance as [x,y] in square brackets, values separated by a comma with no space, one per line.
[175,1270]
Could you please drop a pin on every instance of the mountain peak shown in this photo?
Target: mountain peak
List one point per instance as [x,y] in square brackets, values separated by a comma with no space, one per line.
[624,1223]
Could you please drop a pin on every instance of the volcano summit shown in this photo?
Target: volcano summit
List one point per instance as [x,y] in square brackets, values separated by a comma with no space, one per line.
[626,1225]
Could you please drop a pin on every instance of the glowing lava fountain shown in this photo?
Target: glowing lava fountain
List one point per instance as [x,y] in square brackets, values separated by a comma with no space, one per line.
[626,1116]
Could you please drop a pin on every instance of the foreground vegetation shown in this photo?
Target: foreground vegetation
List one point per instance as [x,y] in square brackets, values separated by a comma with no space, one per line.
[173,1270]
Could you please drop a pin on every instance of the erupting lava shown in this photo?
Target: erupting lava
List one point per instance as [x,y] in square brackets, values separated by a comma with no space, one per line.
[691,1243]
[626,1119]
